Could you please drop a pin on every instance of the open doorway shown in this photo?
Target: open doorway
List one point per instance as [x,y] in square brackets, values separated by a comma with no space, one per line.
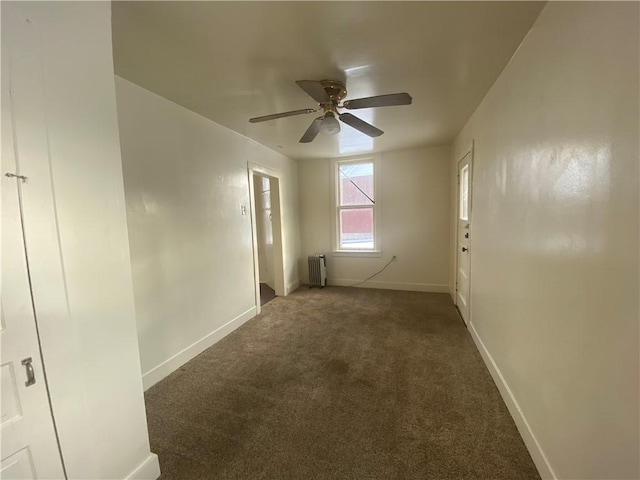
[264,237]
[267,234]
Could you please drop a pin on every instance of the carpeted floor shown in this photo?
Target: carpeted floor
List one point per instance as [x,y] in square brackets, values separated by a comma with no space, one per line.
[338,383]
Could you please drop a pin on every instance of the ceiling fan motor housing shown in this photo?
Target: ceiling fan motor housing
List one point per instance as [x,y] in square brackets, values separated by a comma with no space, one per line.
[336,91]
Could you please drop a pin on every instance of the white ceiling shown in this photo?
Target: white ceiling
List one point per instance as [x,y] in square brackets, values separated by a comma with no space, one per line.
[230,61]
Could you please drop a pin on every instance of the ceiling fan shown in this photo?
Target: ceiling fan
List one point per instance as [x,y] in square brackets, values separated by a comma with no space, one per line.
[328,94]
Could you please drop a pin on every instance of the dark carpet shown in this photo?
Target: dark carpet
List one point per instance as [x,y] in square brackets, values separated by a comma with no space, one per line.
[338,383]
[266,294]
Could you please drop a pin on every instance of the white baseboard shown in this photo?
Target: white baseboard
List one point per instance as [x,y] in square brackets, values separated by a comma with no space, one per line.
[174,362]
[292,287]
[538,456]
[411,287]
[148,470]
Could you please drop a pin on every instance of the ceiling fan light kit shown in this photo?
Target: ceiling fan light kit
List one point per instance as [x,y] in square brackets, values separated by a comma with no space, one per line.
[329,94]
[330,126]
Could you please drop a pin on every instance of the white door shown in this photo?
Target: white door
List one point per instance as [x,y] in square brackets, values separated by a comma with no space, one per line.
[29,447]
[464,234]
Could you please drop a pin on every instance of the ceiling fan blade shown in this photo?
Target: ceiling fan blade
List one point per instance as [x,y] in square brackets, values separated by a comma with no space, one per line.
[315,90]
[379,101]
[361,125]
[312,131]
[281,115]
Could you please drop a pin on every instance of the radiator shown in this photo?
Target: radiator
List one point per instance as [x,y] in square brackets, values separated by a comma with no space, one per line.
[317,271]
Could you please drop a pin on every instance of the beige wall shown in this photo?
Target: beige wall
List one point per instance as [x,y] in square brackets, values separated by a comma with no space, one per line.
[554,238]
[185,181]
[415,215]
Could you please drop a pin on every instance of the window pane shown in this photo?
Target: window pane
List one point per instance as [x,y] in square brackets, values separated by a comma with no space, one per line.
[464,193]
[356,184]
[356,229]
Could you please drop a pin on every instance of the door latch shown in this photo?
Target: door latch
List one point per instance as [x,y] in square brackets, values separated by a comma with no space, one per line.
[31,375]
[13,175]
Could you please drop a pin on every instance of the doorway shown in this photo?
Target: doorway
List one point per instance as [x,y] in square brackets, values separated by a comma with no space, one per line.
[266,220]
[463,242]
[264,237]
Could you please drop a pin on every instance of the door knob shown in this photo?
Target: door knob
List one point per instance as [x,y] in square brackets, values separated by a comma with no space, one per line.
[465,249]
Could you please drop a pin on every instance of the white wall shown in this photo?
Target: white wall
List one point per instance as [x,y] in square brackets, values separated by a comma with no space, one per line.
[64,109]
[415,221]
[186,179]
[554,238]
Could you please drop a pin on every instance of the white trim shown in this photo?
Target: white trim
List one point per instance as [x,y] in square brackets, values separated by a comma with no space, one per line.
[170,365]
[254,238]
[261,169]
[356,253]
[530,440]
[147,470]
[293,286]
[410,287]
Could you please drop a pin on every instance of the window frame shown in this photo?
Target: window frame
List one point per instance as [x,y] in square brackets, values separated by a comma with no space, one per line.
[376,251]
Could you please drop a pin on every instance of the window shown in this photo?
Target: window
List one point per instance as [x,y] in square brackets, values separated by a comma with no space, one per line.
[464,193]
[356,209]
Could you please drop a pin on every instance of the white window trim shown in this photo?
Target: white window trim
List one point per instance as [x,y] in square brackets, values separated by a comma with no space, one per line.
[377,210]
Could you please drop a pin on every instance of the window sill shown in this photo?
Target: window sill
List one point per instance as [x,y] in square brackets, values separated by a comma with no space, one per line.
[357,253]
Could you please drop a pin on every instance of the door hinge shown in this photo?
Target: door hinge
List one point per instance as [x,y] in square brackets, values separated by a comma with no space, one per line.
[13,175]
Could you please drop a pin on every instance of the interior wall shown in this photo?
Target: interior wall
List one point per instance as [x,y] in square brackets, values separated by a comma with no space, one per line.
[554,238]
[66,137]
[415,203]
[186,184]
